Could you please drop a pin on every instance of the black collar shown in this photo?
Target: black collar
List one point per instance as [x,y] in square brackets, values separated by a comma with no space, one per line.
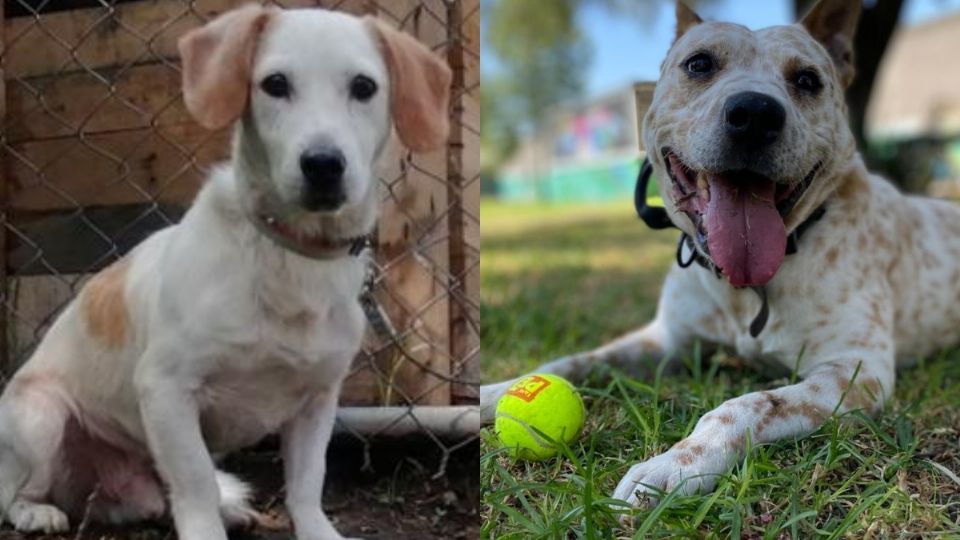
[657,218]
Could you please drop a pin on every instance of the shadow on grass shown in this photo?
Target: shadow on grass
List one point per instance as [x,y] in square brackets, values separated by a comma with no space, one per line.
[557,287]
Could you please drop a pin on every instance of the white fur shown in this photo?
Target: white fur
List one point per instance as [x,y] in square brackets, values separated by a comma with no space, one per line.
[231,337]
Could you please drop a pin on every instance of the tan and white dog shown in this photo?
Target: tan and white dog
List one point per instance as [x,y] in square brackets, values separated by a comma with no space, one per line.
[243,319]
[747,133]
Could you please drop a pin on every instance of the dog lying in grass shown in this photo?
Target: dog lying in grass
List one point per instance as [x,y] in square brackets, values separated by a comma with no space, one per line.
[807,261]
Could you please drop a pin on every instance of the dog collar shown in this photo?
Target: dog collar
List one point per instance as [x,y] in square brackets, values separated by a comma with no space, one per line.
[313,247]
[657,218]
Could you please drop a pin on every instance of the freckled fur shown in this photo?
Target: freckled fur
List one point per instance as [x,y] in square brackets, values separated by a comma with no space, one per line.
[874,283]
[105,305]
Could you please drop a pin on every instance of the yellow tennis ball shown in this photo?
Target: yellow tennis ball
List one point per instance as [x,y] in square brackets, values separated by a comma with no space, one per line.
[546,402]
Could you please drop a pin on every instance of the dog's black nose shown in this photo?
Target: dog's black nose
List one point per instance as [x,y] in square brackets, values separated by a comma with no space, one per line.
[323,178]
[753,118]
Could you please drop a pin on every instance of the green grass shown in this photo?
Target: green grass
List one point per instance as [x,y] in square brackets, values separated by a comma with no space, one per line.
[561,279]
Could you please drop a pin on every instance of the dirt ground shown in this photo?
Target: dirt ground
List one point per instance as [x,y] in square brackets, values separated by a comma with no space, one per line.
[398,499]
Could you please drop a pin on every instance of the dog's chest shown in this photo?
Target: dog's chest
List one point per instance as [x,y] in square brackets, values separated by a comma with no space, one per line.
[240,407]
[285,346]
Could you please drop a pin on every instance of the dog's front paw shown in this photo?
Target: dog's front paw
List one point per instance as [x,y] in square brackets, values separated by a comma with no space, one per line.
[686,469]
[34,517]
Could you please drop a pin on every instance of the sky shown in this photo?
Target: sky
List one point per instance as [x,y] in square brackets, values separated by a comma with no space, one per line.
[629,49]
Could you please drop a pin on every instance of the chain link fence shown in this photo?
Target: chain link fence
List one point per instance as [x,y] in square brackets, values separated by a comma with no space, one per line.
[99,152]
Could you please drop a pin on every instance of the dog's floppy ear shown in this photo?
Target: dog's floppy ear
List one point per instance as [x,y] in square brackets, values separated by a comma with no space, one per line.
[419,88]
[686,19]
[217,61]
[833,23]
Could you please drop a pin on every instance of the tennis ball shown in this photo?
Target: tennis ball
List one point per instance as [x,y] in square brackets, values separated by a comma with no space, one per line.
[546,402]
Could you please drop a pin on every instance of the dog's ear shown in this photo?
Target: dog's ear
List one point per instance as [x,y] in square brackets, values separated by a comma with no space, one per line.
[833,23]
[217,61]
[419,88]
[686,19]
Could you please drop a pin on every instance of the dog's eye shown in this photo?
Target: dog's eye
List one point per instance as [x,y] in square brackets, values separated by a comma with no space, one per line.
[276,85]
[362,88]
[699,64]
[808,81]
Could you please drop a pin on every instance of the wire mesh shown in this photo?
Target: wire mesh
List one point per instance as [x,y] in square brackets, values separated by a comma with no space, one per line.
[99,152]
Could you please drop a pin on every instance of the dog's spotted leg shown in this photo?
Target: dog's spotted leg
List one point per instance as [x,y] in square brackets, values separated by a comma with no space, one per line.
[647,346]
[720,437]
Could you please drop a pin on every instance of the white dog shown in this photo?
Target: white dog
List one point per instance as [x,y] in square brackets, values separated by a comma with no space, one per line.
[242,320]
[748,135]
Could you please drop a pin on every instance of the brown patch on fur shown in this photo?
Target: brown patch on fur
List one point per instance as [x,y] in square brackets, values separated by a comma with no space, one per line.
[697,450]
[104,305]
[832,254]
[726,419]
[865,395]
[684,459]
[876,314]
[775,403]
[811,412]
[825,309]
[851,187]
[650,346]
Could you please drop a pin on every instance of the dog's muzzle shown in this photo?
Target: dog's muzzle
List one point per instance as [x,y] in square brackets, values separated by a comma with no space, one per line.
[739,216]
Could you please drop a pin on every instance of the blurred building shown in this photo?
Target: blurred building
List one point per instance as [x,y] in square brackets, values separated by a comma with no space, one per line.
[589,152]
[913,121]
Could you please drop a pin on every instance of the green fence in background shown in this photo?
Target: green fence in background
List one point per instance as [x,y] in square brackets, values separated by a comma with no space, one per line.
[595,182]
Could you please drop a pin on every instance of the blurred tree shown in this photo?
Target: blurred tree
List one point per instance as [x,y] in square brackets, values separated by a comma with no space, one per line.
[541,59]
[498,134]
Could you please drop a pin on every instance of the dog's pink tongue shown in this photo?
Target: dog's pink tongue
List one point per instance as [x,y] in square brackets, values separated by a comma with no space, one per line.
[745,233]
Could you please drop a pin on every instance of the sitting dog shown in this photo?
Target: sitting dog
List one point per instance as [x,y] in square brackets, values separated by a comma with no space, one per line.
[747,134]
[243,319]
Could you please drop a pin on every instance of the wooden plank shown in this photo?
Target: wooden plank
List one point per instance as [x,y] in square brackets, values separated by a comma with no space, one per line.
[467,336]
[361,387]
[81,102]
[22,8]
[412,241]
[124,35]
[124,167]
[461,331]
[95,38]
[36,300]
[642,95]
[5,330]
